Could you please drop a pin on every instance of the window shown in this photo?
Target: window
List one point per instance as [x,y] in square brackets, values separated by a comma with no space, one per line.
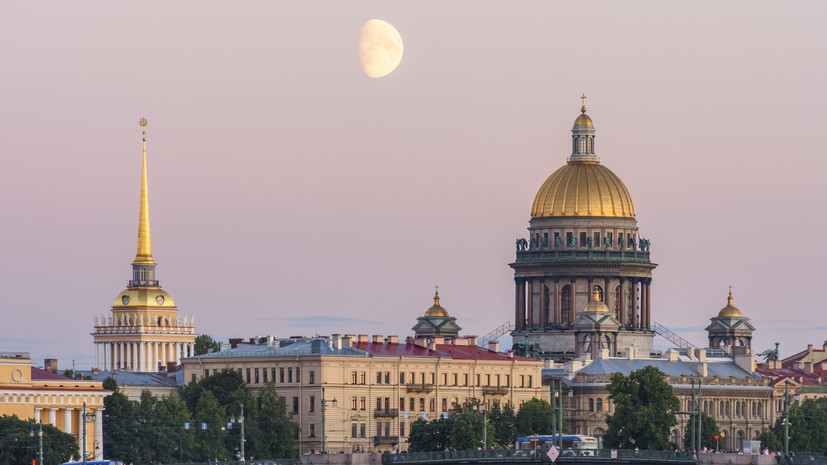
[378,377]
[295,405]
[264,374]
[412,379]
[497,377]
[387,403]
[545,240]
[401,378]
[456,376]
[312,430]
[255,372]
[522,380]
[401,403]
[591,404]
[353,403]
[488,380]
[529,380]
[569,238]
[402,428]
[273,374]
[412,404]
[362,378]
[248,376]
[478,380]
[596,241]
[445,379]
[507,380]
[387,377]
[193,377]
[444,404]
[312,404]
[565,304]
[465,379]
[352,377]
[362,403]
[421,404]
[378,403]
[387,428]
[618,301]
[610,236]
[353,427]
[583,241]
[432,377]
[290,375]
[312,377]
[432,404]
[361,430]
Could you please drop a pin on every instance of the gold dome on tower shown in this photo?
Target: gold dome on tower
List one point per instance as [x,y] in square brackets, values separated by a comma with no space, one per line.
[583,189]
[730,311]
[436,309]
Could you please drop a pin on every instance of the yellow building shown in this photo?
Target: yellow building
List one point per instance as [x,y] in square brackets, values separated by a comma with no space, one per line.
[32,393]
[359,393]
[144,331]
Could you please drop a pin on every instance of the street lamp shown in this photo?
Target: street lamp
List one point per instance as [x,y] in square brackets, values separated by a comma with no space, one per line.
[324,432]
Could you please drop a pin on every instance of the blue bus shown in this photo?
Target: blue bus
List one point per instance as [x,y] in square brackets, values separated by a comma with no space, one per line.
[96,462]
[572,444]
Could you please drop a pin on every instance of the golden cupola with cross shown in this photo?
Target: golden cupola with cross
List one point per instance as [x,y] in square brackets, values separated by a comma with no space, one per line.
[144,331]
[583,255]
[436,322]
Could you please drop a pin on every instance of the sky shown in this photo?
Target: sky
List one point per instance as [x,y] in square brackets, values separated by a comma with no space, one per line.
[291,194]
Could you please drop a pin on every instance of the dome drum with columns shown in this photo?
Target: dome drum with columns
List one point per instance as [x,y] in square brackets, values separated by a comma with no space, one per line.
[730,329]
[144,332]
[583,245]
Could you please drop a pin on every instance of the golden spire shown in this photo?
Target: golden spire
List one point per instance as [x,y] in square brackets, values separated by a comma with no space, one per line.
[144,255]
[583,99]
[436,295]
[596,294]
[729,299]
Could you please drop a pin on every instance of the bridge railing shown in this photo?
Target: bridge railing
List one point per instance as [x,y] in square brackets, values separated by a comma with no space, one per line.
[530,455]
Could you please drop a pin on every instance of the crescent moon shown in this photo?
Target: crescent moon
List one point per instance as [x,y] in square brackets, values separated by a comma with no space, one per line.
[380,48]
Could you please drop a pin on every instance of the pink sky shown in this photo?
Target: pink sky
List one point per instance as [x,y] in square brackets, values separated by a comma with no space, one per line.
[290,194]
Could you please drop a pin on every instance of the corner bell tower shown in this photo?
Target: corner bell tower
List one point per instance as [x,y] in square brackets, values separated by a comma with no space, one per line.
[144,331]
[583,245]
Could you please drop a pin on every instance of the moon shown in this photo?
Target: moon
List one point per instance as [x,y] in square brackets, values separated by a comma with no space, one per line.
[380,48]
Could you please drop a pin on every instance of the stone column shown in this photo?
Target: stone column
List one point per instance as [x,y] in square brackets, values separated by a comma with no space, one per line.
[590,289]
[634,303]
[622,301]
[37,413]
[517,317]
[648,303]
[99,434]
[556,301]
[606,292]
[164,351]
[543,304]
[53,416]
[177,346]
[572,300]
[530,303]
[157,355]
[67,420]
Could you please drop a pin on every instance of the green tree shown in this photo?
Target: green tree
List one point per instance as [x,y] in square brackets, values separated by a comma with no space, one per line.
[205,344]
[708,432]
[465,428]
[224,386]
[770,441]
[534,417]
[120,426]
[808,426]
[428,436]
[212,441]
[503,423]
[19,442]
[175,443]
[643,416]
[275,425]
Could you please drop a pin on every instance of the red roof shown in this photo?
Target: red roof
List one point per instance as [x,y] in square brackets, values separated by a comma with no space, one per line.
[46,375]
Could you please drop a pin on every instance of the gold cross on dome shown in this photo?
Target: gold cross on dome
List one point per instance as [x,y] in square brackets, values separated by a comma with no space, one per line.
[436,289]
[730,290]
[583,98]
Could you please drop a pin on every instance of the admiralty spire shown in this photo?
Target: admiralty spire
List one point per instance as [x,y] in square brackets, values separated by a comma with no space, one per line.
[143,332]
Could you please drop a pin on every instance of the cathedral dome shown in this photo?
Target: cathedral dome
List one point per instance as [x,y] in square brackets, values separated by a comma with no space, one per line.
[584,119]
[583,189]
[596,306]
[144,297]
[436,309]
[730,311]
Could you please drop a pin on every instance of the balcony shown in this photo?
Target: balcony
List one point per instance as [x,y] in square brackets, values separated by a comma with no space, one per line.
[496,390]
[385,440]
[420,387]
[388,412]
[588,254]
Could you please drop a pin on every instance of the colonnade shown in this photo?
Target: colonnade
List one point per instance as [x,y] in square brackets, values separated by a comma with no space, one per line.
[556,306]
[69,416]
[140,355]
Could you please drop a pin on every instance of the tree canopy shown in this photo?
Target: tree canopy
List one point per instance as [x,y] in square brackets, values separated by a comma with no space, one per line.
[808,428]
[19,442]
[643,416]
[708,432]
[204,344]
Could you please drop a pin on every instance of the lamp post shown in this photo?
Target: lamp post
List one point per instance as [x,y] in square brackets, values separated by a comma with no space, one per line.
[786,418]
[692,414]
[324,429]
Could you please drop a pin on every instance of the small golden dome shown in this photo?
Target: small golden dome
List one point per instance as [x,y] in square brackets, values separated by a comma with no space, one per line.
[437,309]
[730,311]
[596,305]
[583,188]
[144,297]
[583,119]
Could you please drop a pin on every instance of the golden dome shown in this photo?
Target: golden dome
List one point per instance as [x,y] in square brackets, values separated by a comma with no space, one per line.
[436,309]
[730,311]
[596,305]
[583,119]
[144,297]
[583,188]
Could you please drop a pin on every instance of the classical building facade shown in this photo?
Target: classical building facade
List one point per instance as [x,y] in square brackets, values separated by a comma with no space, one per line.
[583,245]
[359,393]
[801,376]
[730,328]
[144,331]
[46,397]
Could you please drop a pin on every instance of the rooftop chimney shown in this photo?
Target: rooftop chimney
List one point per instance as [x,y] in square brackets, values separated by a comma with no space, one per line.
[493,346]
[439,340]
[393,339]
[363,338]
[378,339]
[50,364]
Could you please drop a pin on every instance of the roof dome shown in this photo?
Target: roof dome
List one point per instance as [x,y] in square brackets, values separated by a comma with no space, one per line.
[583,189]
[436,309]
[596,305]
[144,297]
[583,119]
[730,310]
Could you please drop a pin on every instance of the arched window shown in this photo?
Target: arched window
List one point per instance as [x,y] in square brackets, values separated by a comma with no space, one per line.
[737,409]
[676,437]
[599,291]
[721,409]
[591,404]
[760,409]
[582,145]
[546,305]
[727,409]
[574,144]
[590,150]
[586,345]
[618,301]
[599,404]
[740,440]
[565,304]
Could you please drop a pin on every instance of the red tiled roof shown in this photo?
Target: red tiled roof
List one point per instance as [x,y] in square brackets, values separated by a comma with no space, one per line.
[394,350]
[469,352]
[46,375]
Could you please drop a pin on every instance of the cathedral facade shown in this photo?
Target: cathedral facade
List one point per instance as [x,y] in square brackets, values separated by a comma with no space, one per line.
[144,331]
[583,247]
